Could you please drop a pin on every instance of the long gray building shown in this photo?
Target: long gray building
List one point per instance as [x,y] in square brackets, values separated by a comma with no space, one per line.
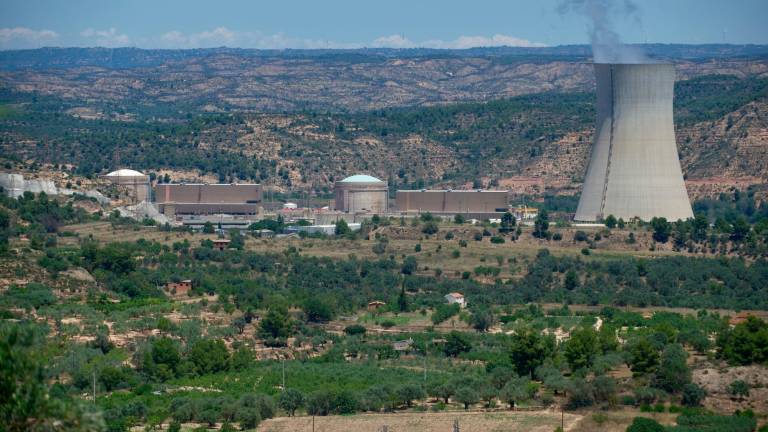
[199,199]
[634,169]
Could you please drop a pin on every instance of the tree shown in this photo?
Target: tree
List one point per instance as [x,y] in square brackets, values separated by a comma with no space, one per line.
[528,350]
[458,219]
[467,396]
[409,265]
[408,393]
[571,280]
[208,228]
[482,319]
[442,390]
[507,222]
[248,418]
[209,356]
[162,360]
[581,394]
[643,424]
[26,401]
[342,228]
[430,228]
[290,400]
[239,323]
[402,299]
[739,388]
[456,343]
[693,395]
[644,358]
[610,221]
[488,393]
[541,224]
[319,403]
[673,373]
[699,228]
[745,344]
[276,324]
[317,310]
[581,348]
[604,388]
[515,391]
[740,229]
[661,229]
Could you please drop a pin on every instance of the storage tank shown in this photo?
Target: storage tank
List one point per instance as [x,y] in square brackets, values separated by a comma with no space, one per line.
[361,193]
[634,169]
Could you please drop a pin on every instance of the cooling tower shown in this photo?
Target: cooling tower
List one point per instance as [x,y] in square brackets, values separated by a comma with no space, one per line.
[634,170]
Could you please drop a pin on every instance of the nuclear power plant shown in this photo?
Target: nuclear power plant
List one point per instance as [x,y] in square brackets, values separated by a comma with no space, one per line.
[634,169]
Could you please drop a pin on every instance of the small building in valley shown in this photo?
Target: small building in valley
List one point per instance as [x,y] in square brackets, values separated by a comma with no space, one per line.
[403,345]
[375,305]
[180,288]
[221,244]
[457,298]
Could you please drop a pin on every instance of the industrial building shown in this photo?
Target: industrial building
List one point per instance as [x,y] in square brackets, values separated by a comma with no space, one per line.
[361,194]
[136,182]
[634,169]
[468,202]
[205,199]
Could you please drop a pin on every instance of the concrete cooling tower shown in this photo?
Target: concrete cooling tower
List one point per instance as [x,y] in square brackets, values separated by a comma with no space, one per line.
[634,170]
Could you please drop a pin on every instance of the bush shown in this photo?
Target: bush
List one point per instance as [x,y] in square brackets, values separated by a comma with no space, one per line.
[581,395]
[693,395]
[444,311]
[497,240]
[355,329]
[643,424]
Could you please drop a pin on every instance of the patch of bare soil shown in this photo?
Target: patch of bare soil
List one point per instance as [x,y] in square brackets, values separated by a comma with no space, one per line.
[716,381]
[539,421]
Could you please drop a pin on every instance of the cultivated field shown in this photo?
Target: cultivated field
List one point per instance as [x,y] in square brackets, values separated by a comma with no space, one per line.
[540,421]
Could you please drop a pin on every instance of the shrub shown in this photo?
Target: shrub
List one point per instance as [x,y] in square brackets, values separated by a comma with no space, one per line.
[581,395]
[355,329]
[693,395]
[497,240]
[643,424]
[387,323]
[444,311]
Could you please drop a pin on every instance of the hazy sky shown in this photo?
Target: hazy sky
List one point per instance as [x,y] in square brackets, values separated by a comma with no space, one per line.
[358,23]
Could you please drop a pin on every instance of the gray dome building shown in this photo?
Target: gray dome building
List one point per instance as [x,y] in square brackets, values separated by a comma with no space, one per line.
[361,193]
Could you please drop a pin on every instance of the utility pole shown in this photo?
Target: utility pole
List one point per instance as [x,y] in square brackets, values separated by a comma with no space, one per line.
[562,419]
[94,386]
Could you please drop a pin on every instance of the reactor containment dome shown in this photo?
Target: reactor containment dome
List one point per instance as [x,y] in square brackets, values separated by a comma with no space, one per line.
[634,169]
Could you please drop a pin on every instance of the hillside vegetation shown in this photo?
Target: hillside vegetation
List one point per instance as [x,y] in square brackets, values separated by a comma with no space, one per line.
[542,135]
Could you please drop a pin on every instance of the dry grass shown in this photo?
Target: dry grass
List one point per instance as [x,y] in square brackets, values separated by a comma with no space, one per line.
[540,421]
[618,420]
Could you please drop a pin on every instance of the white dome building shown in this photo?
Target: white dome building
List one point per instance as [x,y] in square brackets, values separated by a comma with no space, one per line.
[361,193]
[135,181]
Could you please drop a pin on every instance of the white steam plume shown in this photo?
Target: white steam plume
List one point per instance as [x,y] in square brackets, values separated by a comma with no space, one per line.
[606,44]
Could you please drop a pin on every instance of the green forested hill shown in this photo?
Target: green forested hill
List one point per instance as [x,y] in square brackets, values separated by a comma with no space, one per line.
[412,146]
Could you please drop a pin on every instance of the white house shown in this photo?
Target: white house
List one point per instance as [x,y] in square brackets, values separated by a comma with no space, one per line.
[455,297]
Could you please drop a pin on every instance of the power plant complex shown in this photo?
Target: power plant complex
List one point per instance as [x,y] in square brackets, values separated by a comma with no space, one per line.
[634,169]
[633,172]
